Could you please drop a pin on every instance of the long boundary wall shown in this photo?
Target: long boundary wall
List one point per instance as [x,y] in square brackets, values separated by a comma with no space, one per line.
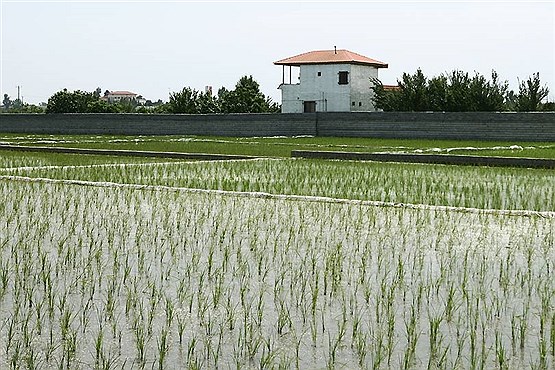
[434,125]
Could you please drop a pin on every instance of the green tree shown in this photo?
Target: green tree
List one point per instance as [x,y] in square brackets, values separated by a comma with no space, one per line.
[67,102]
[458,97]
[452,92]
[530,94]
[548,106]
[207,104]
[438,88]
[245,98]
[27,108]
[17,104]
[223,98]
[383,99]
[7,102]
[184,101]
[510,101]
[414,94]
[487,96]
[125,106]
[10,107]
[100,106]
[77,102]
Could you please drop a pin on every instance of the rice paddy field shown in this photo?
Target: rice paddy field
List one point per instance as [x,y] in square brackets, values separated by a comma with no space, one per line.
[282,146]
[135,263]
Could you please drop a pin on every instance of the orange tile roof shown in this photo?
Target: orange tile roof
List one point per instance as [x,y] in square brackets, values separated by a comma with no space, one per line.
[391,87]
[330,57]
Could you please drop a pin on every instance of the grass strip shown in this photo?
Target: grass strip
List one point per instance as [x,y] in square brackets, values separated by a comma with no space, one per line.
[282,146]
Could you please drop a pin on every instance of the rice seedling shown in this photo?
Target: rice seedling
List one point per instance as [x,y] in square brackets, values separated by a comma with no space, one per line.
[473,187]
[192,279]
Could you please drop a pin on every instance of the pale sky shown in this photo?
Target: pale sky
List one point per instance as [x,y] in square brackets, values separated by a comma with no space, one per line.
[154,47]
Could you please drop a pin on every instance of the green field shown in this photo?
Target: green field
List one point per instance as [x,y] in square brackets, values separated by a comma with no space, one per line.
[282,146]
[136,263]
[474,187]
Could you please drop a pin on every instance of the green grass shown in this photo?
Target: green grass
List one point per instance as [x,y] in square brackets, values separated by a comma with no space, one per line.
[10,159]
[282,146]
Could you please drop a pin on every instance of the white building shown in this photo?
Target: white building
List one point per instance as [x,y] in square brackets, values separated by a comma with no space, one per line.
[118,96]
[328,81]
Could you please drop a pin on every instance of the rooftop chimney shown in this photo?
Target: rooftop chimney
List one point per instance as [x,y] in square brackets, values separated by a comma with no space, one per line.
[335,49]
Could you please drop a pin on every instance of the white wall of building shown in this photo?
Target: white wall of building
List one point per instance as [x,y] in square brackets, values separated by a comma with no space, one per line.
[116,98]
[324,89]
[291,98]
[361,95]
[320,83]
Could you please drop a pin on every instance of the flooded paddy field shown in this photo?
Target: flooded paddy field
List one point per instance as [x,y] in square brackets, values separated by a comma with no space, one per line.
[275,264]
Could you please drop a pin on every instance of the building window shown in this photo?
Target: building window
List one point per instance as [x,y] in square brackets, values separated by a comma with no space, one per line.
[319,73]
[343,78]
[353,104]
[360,104]
[309,106]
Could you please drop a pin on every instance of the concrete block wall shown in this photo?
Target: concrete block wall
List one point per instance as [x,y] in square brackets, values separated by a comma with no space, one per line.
[159,124]
[436,125]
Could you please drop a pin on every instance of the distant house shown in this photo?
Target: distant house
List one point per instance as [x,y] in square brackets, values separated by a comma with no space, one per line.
[118,96]
[391,87]
[329,81]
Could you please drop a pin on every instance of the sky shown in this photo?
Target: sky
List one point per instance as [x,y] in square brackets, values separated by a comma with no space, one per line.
[153,48]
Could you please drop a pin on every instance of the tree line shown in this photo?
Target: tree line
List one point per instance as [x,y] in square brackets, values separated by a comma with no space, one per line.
[459,91]
[456,91]
[18,106]
[245,98]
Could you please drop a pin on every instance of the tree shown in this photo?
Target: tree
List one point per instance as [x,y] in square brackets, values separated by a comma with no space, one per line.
[125,106]
[17,106]
[64,102]
[77,102]
[548,106]
[438,88]
[245,98]
[531,94]
[207,104]
[452,92]
[223,99]
[487,96]
[68,102]
[457,99]
[100,106]
[184,101]
[414,96]
[386,100]
[7,103]
[272,106]
[27,108]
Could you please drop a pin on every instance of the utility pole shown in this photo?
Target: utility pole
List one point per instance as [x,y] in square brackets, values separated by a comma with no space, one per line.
[18,88]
